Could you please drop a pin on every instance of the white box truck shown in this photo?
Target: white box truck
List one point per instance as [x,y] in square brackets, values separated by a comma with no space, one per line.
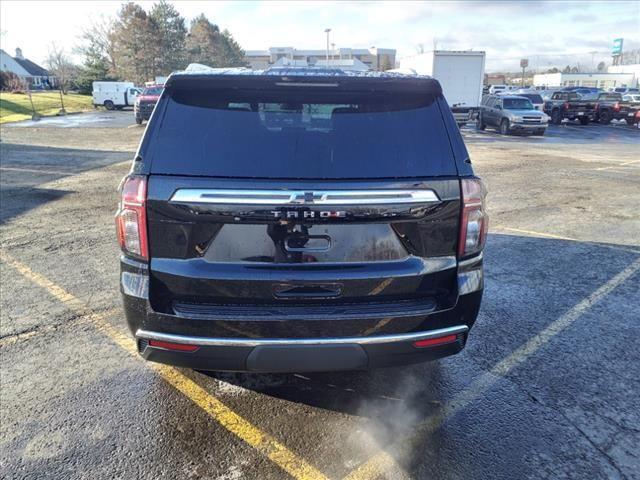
[115,95]
[461,74]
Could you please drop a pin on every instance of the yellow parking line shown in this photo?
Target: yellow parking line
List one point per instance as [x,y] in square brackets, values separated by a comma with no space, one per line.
[384,463]
[535,234]
[499,228]
[619,165]
[233,422]
[36,170]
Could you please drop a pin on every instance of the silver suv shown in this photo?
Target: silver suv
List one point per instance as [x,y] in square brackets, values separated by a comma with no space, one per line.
[511,113]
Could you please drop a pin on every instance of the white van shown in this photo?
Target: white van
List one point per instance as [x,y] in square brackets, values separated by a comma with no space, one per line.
[114,95]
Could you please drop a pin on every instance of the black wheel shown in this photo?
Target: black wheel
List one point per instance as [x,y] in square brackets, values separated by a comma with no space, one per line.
[138,121]
[605,117]
[119,107]
[504,127]
[630,121]
[556,117]
[584,120]
[108,104]
[480,123]
[539,131]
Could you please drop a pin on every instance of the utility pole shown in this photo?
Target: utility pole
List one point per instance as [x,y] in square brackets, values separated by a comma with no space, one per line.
[327,30]
[524,63]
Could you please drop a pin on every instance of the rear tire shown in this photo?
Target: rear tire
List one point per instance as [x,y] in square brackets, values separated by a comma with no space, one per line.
[480,123]
[138,121]
[605,117]
[630,121]
[539,132]
[584,120]
[108,104]
[556,117]
[504,127]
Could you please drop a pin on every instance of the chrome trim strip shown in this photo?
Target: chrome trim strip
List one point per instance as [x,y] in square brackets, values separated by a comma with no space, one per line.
[303,197]
[471,261]
[254,342]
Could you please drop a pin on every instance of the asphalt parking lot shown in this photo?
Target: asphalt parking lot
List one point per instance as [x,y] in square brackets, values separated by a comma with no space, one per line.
[546,388]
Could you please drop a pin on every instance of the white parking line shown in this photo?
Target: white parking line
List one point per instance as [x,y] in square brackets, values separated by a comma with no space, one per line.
[384,461]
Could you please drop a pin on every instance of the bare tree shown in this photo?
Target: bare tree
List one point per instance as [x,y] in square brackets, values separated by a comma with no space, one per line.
[60,65]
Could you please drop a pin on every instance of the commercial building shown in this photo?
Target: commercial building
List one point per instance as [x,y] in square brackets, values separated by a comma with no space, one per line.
[374,58]
[597,80]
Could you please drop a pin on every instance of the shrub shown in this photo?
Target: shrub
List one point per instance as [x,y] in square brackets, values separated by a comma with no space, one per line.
[10,82]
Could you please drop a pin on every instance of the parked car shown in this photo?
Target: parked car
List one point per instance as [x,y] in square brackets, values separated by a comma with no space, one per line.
[493,89]
[631,98]
[571,106]
[625,90]
[266,227]
[612,106]
[546,94]
[114,95]
[511,113]
[146,102]
[535,97]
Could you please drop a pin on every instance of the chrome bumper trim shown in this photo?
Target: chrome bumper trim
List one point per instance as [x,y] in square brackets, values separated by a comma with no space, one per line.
[254,342]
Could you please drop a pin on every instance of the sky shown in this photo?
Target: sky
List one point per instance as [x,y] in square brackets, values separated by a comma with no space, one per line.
[548,33]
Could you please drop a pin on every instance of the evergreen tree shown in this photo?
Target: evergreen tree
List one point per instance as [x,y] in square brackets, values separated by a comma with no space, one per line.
[208,46]
[171,37]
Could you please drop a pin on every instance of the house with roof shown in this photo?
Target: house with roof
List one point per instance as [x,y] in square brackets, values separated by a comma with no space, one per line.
[32,74]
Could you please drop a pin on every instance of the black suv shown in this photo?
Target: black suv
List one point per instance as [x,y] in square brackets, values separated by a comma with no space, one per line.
[295,220]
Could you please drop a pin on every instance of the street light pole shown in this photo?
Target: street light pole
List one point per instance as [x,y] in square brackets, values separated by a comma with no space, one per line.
[327,30]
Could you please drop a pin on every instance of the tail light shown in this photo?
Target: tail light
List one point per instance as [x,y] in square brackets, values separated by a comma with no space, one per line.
[131,219]
[616,107]
[434,342]
[178,347]
[566,105]
[475,222]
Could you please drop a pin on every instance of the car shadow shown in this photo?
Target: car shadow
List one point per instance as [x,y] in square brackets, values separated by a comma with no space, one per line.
[25,169]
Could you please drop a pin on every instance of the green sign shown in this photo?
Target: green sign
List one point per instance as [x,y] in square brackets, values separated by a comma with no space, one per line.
[617,47]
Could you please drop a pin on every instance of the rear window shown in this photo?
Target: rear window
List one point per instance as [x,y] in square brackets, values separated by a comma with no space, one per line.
[534,97]
[300,134]
[517,104]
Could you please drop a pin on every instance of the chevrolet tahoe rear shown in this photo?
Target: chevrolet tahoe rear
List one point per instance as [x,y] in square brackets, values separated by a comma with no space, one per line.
[300,220]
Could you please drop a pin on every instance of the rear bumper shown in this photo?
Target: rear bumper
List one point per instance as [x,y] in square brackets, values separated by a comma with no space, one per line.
[301,355]
[527,127]
[302,341]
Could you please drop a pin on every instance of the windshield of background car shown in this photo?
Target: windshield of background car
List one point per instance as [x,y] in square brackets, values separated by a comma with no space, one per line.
[301,134]
[517,104]
[534,97]
[154,91]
